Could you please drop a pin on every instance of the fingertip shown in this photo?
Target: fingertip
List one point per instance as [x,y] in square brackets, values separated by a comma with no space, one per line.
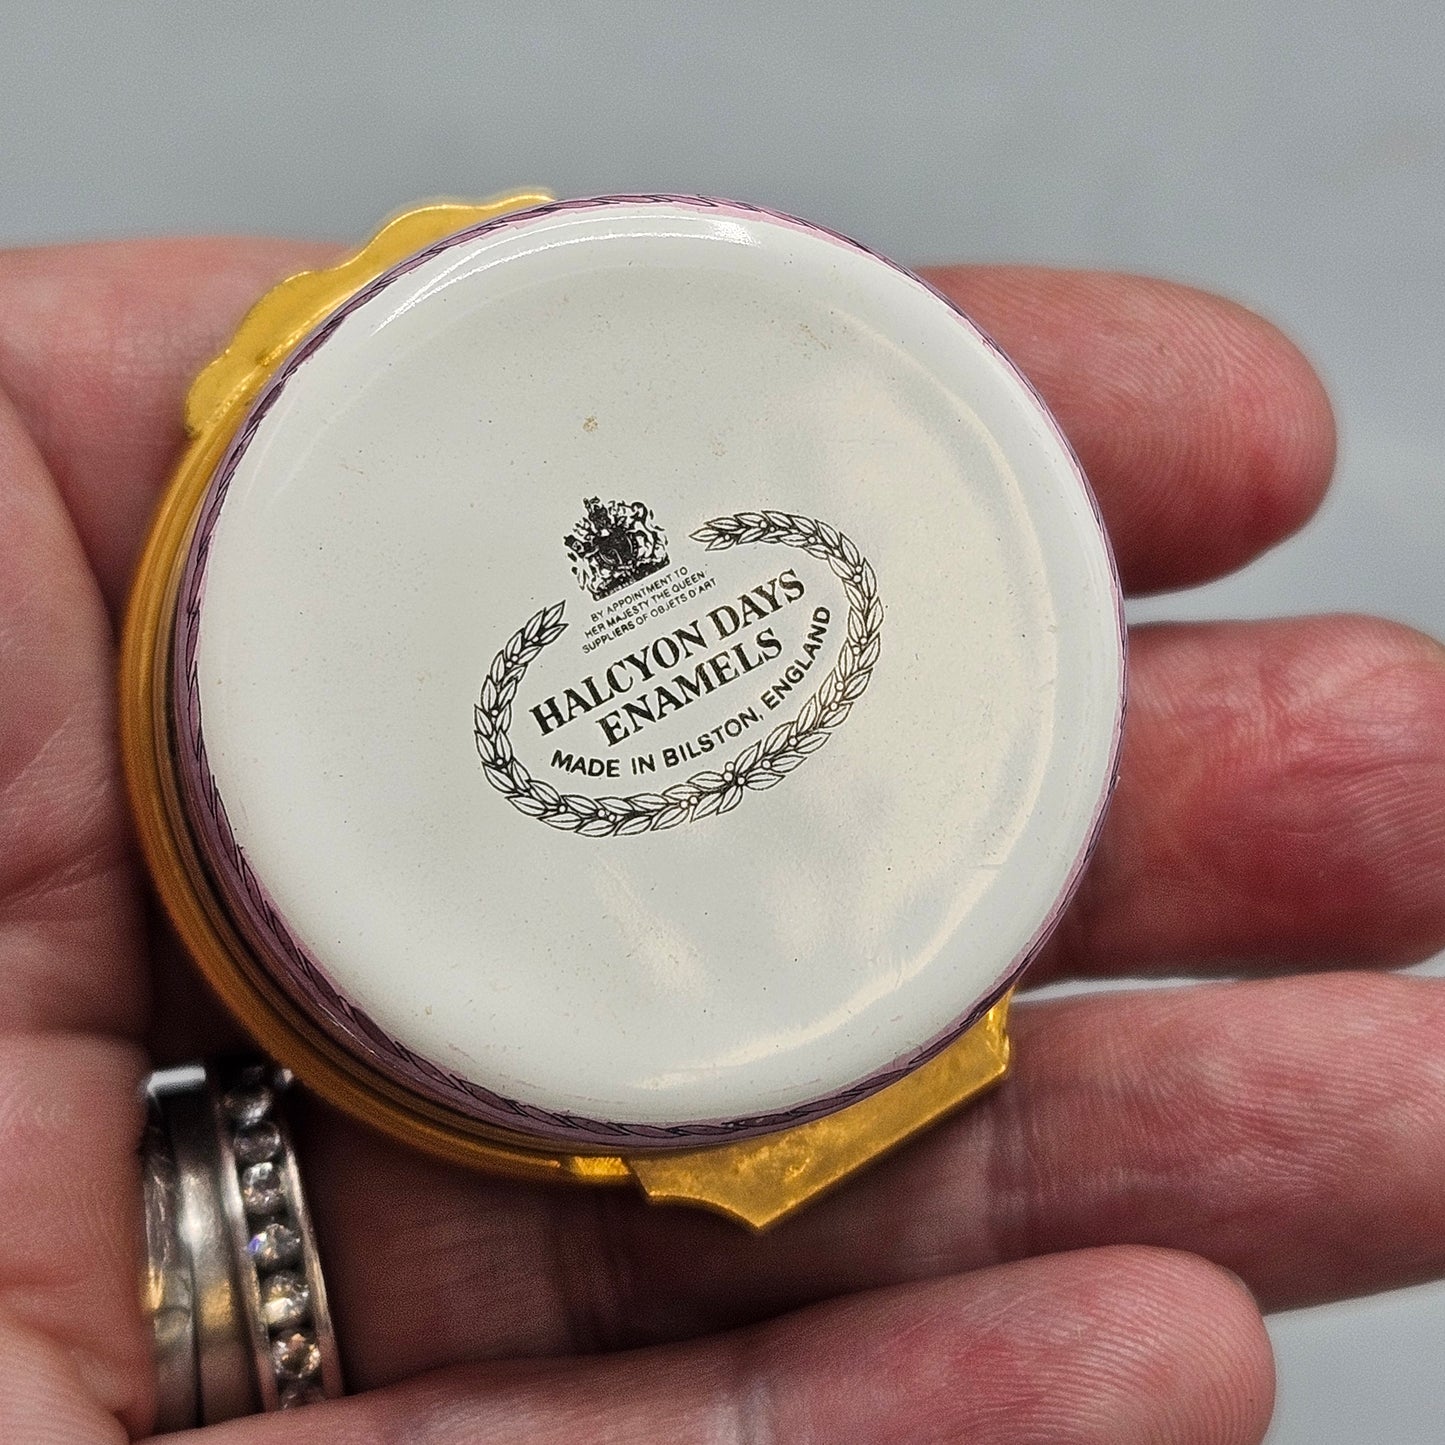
[1121,1345]
[1189,1343]
[1204,430]
[1346,816]
[1275,421]
[1243,1400]
[1281,803]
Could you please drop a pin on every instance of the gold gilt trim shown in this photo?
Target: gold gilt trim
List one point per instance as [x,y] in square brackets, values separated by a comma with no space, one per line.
[293,307]
[757,1181]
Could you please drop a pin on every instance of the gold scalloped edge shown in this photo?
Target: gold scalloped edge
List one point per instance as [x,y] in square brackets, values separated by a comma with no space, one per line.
[758,1182]
[287,312]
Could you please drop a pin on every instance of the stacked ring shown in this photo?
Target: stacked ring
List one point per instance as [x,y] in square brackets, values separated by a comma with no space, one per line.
[234,1287]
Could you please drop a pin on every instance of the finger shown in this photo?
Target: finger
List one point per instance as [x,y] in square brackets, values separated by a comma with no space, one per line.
[98,347]
[74,1352]
[1205,433]
[70,952]
[1281,802]
[1124,1347]
[1290,1129]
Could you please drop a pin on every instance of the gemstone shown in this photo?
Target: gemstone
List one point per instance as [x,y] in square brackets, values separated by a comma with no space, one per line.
[261,1189]
[247,1105]
[256,1145]
[296,1356]
[274,1246]
[285,1300]
[301,1392]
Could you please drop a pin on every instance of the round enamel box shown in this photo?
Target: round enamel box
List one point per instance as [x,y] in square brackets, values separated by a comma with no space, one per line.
[619,689]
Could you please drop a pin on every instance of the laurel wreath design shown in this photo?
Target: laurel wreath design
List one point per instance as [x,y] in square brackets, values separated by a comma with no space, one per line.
[763,765]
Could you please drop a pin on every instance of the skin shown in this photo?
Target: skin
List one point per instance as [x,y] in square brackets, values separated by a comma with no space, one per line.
[1083,1257]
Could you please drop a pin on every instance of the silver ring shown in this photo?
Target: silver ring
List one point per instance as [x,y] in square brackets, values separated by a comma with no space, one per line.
[166,1291]
[234,1286]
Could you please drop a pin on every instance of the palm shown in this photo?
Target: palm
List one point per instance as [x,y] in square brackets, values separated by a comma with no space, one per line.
[1282,806]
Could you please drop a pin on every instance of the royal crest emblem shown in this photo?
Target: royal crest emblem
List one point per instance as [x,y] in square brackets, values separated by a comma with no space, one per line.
[614,545]
[686,678]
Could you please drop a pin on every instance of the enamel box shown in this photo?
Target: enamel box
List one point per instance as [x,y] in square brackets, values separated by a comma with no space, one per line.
[619,689]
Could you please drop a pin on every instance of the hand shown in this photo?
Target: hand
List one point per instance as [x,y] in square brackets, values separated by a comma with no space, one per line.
[1036,1270]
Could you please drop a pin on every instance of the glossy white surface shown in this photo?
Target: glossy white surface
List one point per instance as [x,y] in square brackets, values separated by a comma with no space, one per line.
[400,514]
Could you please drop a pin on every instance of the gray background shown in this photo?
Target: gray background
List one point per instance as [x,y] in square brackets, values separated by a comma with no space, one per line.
[1290,155]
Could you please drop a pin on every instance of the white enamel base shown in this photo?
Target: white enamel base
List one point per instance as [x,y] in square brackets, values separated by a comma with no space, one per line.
[395,513]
